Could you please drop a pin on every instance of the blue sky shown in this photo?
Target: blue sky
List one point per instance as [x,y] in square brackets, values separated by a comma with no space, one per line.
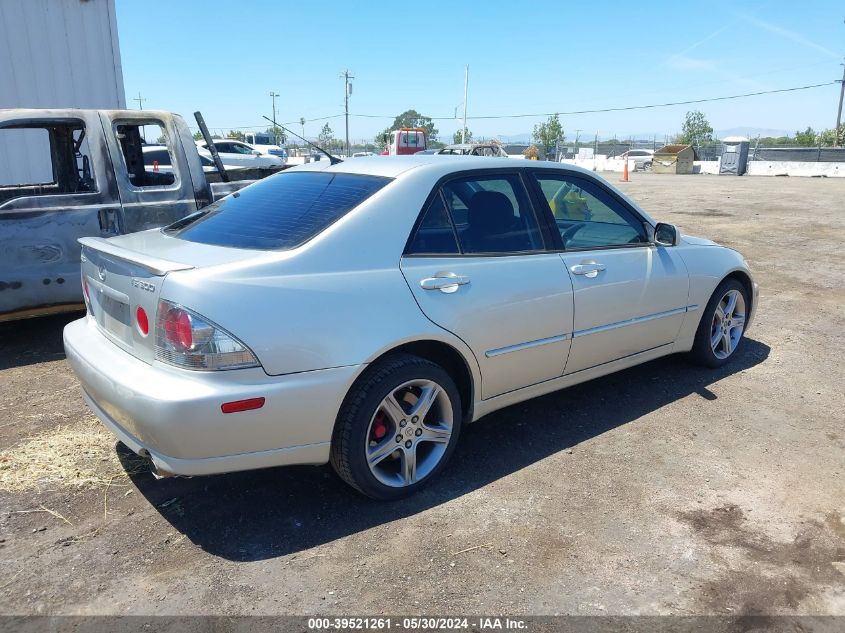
[224,58]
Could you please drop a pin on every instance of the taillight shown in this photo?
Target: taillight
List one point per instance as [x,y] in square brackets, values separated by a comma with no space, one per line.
[177,328]
[186,339]
[143,321]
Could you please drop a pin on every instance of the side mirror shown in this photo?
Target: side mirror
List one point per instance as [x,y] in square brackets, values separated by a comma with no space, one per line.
[256,152]
[667,234]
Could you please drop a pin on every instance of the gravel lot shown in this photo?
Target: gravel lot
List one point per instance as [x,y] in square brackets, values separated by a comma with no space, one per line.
[666,488]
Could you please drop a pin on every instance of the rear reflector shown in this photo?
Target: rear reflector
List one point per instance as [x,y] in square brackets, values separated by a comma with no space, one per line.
[143,321]
[242,405]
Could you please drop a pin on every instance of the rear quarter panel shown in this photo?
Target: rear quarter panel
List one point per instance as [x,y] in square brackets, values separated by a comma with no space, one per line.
[340,299]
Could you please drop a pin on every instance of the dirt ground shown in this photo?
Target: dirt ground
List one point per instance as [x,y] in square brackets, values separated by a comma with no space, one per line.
[666,488]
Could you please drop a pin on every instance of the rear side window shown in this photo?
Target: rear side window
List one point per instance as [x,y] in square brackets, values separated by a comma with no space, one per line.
[435,235]
[280,212]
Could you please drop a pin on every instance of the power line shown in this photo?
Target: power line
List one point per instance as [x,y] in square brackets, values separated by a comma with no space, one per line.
[620,108]
[561,113]
[255,127]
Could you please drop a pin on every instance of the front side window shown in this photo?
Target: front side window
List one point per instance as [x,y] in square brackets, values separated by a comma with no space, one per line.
[280,212]
[45,159]
[587,216]
[492,215]
[241,149]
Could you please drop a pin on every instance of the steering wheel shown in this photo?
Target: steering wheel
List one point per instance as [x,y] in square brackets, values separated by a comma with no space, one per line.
[569,233]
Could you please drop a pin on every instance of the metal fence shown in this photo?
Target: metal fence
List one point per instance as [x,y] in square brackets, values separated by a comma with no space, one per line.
[709,151]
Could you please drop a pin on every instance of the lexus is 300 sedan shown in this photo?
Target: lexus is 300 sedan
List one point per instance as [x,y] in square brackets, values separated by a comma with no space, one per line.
[361,313]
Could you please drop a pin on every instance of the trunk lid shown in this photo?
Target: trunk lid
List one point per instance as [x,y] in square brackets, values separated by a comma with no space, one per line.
[126,273]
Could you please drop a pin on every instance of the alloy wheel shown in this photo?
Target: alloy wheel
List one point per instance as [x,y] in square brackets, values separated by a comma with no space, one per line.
[728,324]
[409,433]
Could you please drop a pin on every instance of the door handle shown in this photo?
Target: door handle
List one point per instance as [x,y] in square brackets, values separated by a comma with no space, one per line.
[444,282]
[588,269]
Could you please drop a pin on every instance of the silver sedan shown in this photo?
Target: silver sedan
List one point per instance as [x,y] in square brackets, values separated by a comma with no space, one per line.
[361,313]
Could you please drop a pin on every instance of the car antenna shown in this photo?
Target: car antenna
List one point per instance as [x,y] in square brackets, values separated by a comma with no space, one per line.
[334,160]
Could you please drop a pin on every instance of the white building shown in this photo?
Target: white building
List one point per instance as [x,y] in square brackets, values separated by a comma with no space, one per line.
[54,54]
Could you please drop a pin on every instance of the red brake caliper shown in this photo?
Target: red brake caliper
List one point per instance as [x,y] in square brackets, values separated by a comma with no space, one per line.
[379,427]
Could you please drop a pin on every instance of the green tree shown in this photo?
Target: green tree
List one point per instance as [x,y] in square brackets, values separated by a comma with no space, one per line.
[277,133]
[696,129]
[326,136]
[456,137]
[549,134]
[235,134]
[409,118]
[807,138]
[826,138]
[197,135]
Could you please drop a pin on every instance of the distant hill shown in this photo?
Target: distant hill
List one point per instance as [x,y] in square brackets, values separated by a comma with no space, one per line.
[750,131]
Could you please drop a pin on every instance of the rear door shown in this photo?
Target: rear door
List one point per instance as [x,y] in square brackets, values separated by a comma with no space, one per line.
[478,267]
[630,295]
[56,185]
[150,197]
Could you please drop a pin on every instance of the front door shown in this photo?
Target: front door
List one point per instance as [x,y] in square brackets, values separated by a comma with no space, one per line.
[478,267]
[630,295]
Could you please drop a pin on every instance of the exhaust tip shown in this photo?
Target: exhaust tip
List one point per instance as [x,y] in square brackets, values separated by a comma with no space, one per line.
[158,473]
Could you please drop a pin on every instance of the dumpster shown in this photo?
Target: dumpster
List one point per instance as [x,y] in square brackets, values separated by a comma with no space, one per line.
[673,159]
[734,160]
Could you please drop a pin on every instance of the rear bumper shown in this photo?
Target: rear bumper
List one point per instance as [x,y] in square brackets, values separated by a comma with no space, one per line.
[174,415]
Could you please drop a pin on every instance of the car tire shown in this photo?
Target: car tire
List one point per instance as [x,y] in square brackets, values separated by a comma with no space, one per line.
[720,334]
[380,446]
[647,166]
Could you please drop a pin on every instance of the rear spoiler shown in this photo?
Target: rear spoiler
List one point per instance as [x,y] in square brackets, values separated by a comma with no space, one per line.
[155,265]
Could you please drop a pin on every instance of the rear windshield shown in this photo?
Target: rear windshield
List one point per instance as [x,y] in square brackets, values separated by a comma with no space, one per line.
[279,212]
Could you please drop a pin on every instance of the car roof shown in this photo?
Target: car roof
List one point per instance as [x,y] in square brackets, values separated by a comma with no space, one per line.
[437,167]
[394,166]
[470,145]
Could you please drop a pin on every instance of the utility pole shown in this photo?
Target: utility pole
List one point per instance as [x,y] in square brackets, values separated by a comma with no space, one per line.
[302,125]
[140,101]
[466,85]
[273,95]
[346,92]
[839,111]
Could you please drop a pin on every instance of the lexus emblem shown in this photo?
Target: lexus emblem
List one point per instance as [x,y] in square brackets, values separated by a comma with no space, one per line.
[101,273]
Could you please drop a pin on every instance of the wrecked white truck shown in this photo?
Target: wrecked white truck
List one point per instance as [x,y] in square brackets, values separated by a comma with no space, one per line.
[66,174]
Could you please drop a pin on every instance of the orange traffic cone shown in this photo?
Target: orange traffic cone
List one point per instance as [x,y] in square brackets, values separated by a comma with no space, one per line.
[625,171]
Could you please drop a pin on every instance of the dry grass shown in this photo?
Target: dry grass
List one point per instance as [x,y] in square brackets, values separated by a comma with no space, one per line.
[79,455]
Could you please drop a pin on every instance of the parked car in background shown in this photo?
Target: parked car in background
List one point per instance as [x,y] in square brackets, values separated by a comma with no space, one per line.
[267,144]
[237,154]
[405,141]
[425,152]
[362,154]
[474,149]
[215,344]
[642,158]
[88,173]
[158,158]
